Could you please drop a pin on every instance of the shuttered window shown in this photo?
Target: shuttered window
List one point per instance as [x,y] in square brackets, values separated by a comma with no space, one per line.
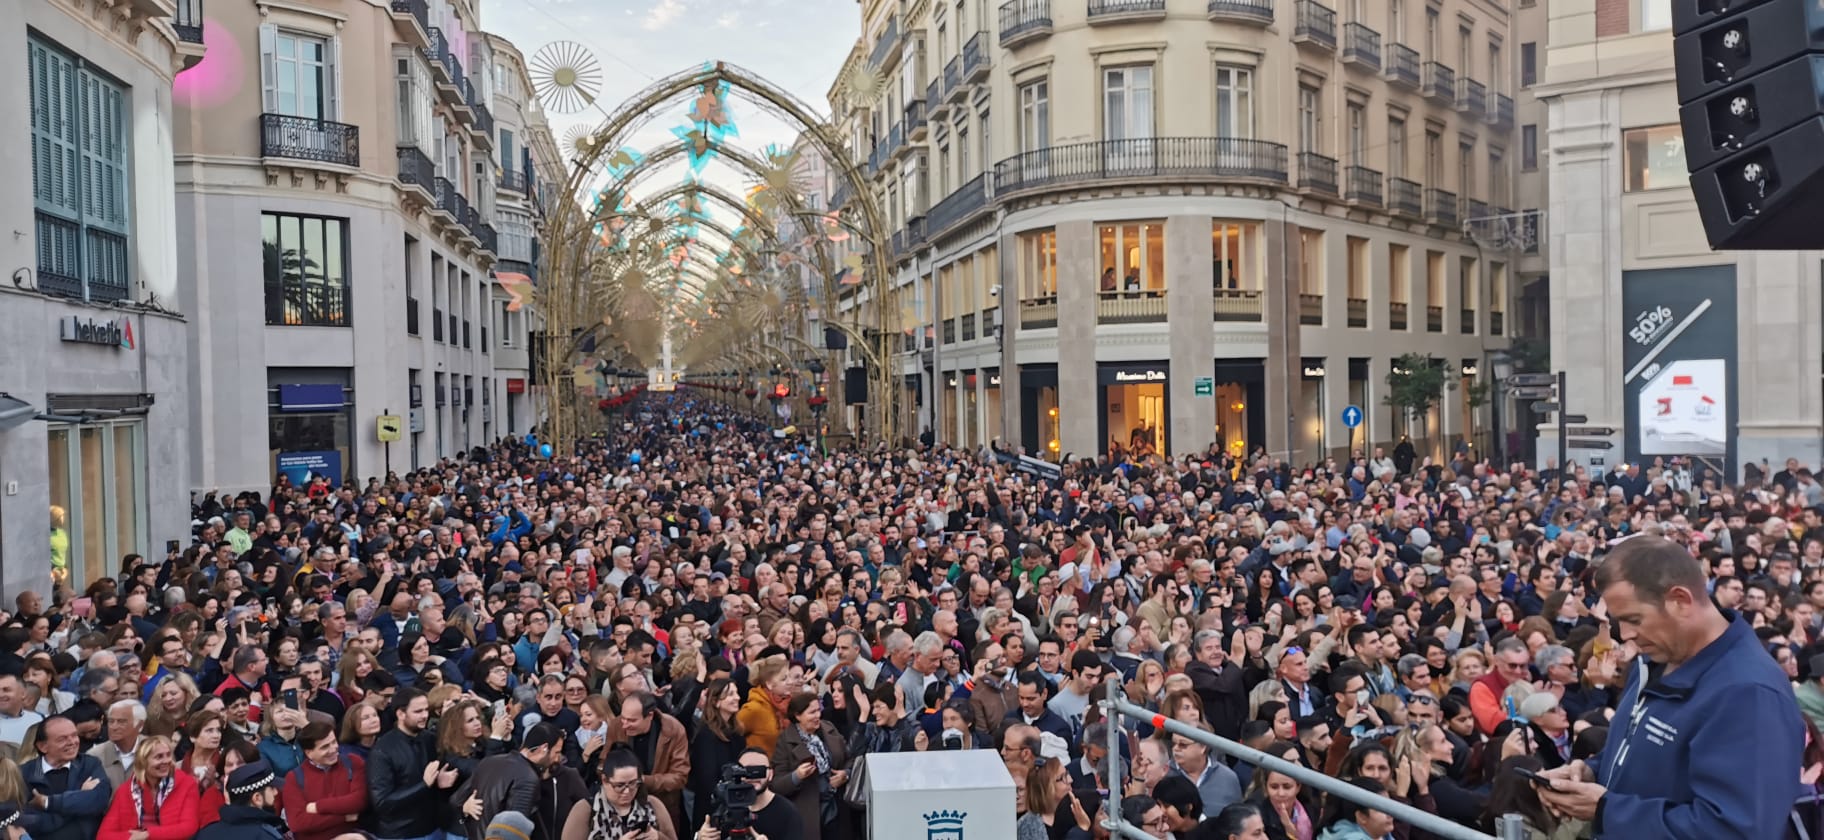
[79,176]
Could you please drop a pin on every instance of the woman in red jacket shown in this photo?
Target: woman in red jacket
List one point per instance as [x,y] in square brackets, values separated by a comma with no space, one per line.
[325,796]
[157,802]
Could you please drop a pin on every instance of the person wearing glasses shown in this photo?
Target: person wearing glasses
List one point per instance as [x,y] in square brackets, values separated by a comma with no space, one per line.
[1144,812]
[1513,663]
[620,810]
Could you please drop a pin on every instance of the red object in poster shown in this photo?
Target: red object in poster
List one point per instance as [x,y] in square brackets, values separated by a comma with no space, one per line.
[1665,406]
[1684,380]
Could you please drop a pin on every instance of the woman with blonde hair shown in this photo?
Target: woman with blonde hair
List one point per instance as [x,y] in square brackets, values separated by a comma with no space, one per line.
[1147,687]
[156,802]
[355,665]
[1268,691]
[170,703]
[763,716]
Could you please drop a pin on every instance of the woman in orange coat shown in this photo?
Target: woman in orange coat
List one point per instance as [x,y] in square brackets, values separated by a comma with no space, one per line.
[763,715]
[156,799]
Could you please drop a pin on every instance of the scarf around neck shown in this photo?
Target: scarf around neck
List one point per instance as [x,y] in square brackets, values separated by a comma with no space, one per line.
[609,824]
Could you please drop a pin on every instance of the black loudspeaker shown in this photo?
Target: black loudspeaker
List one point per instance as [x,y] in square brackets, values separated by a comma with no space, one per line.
[1751,106]
[834,339]
[855,386]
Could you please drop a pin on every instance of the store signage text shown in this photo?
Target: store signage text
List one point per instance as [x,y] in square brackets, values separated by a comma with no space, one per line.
[1140,376]
[117,333]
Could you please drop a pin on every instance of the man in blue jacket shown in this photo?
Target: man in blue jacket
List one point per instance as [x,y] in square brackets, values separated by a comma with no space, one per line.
[69,790]
[1707,742]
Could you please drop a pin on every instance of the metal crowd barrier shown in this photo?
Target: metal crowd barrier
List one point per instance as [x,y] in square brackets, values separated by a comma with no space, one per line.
[1512,827]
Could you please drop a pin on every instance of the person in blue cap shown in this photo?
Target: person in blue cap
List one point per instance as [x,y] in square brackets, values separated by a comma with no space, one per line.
[251,812]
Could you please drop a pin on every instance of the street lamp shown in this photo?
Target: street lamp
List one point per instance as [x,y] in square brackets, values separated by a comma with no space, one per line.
[1501,363]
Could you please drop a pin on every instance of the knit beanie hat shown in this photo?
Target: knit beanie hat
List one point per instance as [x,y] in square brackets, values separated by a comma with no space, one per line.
[509,825]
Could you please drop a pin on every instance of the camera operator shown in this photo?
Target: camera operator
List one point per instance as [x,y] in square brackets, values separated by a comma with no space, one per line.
[773,815]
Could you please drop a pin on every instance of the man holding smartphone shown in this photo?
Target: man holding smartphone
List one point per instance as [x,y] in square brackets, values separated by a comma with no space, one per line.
[1707,740]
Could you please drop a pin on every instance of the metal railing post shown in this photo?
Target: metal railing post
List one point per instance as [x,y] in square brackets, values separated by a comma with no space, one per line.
[1511,827]
[1414,817]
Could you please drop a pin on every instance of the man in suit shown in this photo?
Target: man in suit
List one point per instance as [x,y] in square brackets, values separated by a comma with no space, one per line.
[126,719]
[1302,695]
[70,791]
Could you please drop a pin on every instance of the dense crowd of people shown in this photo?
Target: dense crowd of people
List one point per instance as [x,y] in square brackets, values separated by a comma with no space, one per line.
[613,642]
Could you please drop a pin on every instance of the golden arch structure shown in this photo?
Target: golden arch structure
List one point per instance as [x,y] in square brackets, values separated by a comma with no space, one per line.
[588,287]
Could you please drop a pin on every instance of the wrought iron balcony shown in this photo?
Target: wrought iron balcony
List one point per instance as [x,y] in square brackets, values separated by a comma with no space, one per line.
[411,315]
[513,181]
[1441,207]
[1212,158]
[1438,81]
[296,302]
[887,45]
[484,124]
[965,205]
[67,253]
[416,169]
[490,238]
[1405,197]
[1361,47]
[916,123]
[1258,12]
[896,137]
[187,22]
[935,105]
[1396,314]
[1358,312]
[1317,173]
[1403,66]
[1362,186]
[1316,25]
[1502,115]
[303,138]
[976,59]
[1471,210]
[1311,310]
[449,201]
[1103,11]
[1024,20]
[953,78]
[412,19]
[1472,97]
[435,51]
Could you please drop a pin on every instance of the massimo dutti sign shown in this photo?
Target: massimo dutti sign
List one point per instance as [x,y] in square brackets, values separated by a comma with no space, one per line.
[116,333]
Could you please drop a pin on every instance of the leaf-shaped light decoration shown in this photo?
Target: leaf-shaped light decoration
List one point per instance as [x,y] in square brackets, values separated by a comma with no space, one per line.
[700,146]
[622,161]
[832,225]
[710,109]
[565,76]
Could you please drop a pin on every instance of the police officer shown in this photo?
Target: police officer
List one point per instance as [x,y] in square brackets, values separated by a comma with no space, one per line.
[253,796]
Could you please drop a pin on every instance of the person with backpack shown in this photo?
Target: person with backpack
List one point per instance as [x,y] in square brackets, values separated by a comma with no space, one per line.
[326,795]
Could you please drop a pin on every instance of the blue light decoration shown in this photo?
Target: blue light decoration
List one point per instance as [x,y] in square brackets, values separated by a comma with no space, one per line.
[700,146]
[709,111]
[623,160]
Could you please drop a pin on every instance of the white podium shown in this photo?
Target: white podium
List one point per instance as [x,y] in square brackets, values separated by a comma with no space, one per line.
[938,795]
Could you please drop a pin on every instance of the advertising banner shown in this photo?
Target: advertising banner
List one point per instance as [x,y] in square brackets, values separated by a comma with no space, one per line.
[1679,358]
[302,467]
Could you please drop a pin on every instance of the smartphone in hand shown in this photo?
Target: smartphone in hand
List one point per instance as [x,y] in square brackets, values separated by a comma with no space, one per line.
[1534,776]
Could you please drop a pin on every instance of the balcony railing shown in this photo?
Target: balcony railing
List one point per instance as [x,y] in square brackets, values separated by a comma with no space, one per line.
[411,315]
[513,181]
[1317,173]
[909,238]
[1441,207]
[449,201]
[484,123]
[1434,319]
[1242,11]
[67,253]
[1232,305]
[889,41]
[968,202]
[303,138]
[1471,210]
[935,106]
[976,58]
[1405,197]
[1497,323]
[415,12]
[1396,315]
[1106,10]
[1024,20]
[437,328]
[1502,114]
[436,51]
[1039,313]
[1361,46]
[1219,158]
[1311,310]
[416,169]
[1144,307]
[1472,97]
[953,76]
[490,238]
[1358,312]
[1403,66]
[187,22]
[1362,186]
[1438,81]
[295,302]
[1316,25]
[916,123]
[1466,321]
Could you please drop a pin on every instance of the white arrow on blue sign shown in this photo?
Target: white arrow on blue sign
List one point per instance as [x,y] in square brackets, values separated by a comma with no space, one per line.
[1352,416]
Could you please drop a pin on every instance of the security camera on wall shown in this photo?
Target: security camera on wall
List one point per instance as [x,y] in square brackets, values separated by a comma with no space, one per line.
[994,290]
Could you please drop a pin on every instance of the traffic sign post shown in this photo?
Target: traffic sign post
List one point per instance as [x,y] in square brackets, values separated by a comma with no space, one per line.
[1352,418]
[388,427]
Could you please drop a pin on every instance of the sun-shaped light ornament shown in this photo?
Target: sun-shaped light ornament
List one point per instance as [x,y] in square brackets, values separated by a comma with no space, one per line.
[579,142]
[565,76]
[865,86]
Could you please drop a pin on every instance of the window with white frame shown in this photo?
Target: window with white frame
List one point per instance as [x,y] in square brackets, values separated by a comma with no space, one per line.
[413,97]
[300,73]
[1234,101]
[1127,103]
[80,193]
[1396,147]
[1310,119]
[1035,115]
[1358,134]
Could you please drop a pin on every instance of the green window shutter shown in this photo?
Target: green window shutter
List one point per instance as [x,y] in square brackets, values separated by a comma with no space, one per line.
[104,151]
[55,174]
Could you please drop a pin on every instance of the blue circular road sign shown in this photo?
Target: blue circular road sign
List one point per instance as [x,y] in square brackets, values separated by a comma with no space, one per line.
[1352,416]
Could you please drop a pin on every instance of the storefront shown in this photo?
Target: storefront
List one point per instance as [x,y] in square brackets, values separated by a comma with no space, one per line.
[516,393]
[310,419]
[1040,429]
[1312,417]
[991,401]
[1136,407]
[1241,405]
[97,481]
[1361,397]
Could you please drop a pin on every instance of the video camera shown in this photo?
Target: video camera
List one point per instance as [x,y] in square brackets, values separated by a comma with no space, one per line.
[735,795]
